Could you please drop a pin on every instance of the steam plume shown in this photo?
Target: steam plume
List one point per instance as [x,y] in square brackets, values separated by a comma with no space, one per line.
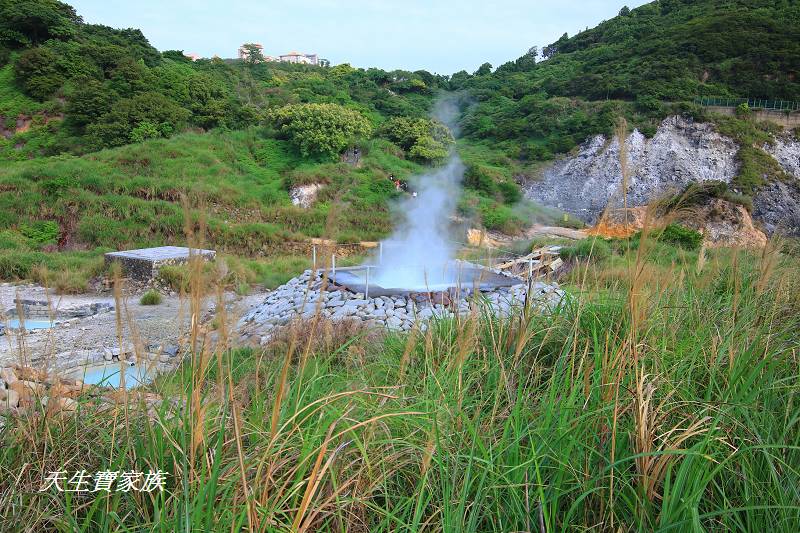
[419,254]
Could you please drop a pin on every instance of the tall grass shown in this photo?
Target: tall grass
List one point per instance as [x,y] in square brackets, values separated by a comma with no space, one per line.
[658,397]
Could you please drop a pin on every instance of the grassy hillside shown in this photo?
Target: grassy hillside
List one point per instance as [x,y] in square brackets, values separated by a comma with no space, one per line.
[143,194]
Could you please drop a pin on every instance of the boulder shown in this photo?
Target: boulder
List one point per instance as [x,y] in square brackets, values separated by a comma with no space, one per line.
[61,405]
[9,399]
[9,376]
[393,322]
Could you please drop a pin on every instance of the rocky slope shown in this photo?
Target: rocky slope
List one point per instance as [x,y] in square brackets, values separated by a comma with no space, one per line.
[681,152]
[777,205]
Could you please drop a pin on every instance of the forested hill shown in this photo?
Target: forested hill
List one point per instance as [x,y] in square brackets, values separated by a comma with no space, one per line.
[645,63]
[677,50]
[111,87]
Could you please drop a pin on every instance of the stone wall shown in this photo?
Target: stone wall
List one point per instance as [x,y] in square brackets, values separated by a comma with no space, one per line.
[304,297]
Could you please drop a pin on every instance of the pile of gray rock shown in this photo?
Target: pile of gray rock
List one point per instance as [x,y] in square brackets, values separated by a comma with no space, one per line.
[303,297]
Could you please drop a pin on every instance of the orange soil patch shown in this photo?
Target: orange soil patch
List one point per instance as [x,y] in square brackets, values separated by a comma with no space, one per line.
[610,230]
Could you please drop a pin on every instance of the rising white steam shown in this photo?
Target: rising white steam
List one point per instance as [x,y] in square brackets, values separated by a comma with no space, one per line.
[419,254]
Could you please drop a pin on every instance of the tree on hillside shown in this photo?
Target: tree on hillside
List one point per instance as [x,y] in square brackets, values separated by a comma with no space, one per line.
[176,55]
[527,61]
[423,139]
[37,72]
[324,129]
[253,54]
[144,116]
[484,69]
[552,49]
[30,22]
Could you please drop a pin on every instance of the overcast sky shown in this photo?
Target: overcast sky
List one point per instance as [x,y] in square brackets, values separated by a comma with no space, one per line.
[439,36]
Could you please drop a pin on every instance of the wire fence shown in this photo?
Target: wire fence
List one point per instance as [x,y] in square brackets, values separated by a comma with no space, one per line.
[753,103]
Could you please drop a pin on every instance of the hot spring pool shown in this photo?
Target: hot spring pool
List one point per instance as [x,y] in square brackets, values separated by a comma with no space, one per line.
[30,324]
[109,375]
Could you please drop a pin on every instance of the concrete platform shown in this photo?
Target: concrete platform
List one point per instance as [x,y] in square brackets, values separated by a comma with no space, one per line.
[144,263]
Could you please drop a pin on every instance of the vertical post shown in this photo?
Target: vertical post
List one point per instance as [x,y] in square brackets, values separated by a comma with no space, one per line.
[380,254]
[530,269]
[333,265]
[366,285]
[314,258]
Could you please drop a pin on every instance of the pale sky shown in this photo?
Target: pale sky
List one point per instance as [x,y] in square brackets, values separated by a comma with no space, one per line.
[439,36]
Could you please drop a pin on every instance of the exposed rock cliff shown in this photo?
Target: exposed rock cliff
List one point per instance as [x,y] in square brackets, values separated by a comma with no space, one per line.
[777,204]
[681,152]
[786,150]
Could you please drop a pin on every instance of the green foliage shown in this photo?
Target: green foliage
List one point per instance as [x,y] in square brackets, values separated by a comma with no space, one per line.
[700,193]
[37,72]
[756,167]
[496,216]
[644,64]
[30,22]
[254,54]
[175,277]
[147,130]
[41,231]
[591,249]
[112,87]
[743,111]
[151,297]
[423,139]
[144,116]
[324,129]
[678,235]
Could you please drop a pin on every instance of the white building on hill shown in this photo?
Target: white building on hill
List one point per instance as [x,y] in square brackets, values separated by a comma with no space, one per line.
[297,57]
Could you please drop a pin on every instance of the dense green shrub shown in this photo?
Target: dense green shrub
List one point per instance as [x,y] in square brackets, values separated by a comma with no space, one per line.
[499,217]
[40,231]
[174,277]
[678,235]
[423,139]
[593,249]
[151,297]
[482,179]
[743,111]
[324,129]
[509,191]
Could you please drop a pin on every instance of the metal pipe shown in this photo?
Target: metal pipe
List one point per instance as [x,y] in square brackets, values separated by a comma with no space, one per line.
[314,258]
[380,253]
[333,264]
[366,286]
[530,269]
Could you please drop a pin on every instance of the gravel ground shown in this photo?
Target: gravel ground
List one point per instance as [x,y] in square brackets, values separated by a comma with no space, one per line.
[161,324]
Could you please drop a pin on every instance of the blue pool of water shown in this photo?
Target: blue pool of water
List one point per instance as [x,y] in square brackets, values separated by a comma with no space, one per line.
[110,376]
[30,324]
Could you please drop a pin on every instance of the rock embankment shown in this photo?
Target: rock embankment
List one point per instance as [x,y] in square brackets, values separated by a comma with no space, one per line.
[304,297]
[681,152]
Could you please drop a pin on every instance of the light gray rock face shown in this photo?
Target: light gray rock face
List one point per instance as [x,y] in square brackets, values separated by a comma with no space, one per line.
[777,207]
[681,152]
[786,150]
